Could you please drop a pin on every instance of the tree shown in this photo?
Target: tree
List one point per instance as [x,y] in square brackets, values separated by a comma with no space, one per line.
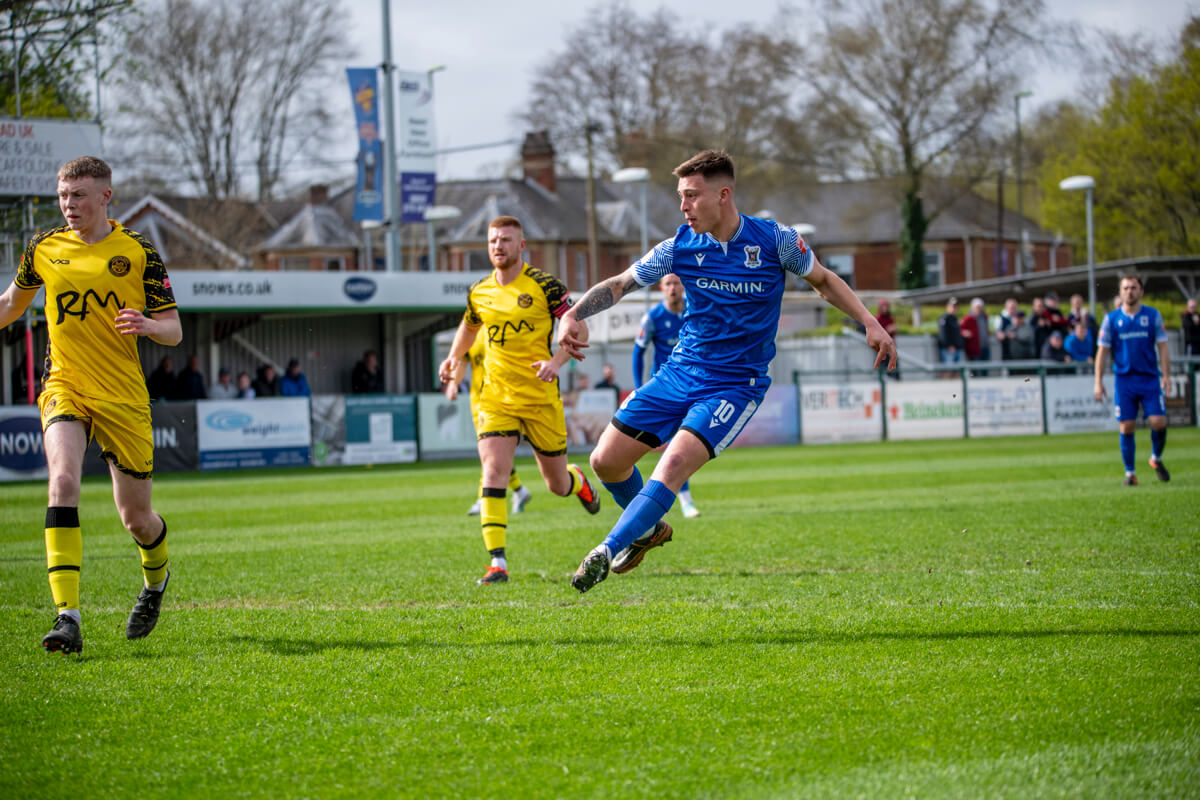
[660,91]
[914,88]
[1142,146]
[227,84]
[44,53]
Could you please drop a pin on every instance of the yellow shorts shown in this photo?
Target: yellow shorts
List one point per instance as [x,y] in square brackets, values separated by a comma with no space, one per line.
[122,430]
[543,424]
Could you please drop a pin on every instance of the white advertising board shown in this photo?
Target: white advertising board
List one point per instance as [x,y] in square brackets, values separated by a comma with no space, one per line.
[21,455]
[1072,407]
[1004,406]
[32,150]
[264,432]
[924,409]
[201,290]
[840,412]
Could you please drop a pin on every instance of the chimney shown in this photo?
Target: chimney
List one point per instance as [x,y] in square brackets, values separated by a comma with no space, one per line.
[318,194]
[537,159]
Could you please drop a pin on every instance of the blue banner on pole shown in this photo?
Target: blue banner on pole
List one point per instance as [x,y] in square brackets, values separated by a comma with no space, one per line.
[368,192]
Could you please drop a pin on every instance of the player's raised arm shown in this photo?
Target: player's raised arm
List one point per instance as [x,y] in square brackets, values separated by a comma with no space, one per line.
[838,294]
[464,337]
[572,333]
[13,303]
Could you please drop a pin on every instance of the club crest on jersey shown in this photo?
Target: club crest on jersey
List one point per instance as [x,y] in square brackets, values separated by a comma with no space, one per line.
[525,300]
[119,266]
[752,256]
[1144,321]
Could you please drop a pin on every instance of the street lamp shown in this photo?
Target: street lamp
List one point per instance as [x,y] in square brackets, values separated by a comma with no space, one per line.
[1087,183]
[1020,190]
[638,175]
[435,214]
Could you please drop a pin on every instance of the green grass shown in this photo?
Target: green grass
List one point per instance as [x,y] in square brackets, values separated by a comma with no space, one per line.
[985,618]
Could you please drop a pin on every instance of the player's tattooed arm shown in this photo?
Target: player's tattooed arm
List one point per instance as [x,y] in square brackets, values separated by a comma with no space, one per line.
[604,295]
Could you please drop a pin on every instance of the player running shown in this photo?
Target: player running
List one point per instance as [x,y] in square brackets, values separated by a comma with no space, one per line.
[660,328]
[105,286]
[1135,337]
[733,269]
[475,358]
[516,307]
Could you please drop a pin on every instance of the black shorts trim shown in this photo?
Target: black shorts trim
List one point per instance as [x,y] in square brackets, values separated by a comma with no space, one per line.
[711,453]
[111,458]
[505,434]
[633,433]
[550,453]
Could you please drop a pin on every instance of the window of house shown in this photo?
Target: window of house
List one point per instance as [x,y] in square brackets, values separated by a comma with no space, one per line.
[477,261]
[579,276]
[335,264]
[935,269]
[841,263]
[294,263]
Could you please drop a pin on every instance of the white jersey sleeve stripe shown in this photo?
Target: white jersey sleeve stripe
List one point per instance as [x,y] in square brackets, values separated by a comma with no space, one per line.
[655,264]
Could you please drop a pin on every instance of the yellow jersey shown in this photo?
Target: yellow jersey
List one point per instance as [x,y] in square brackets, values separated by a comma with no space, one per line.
[475,357]
[86,285]
[518,322]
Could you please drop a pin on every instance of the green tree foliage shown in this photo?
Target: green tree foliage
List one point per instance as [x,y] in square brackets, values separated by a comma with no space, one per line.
[1143,148]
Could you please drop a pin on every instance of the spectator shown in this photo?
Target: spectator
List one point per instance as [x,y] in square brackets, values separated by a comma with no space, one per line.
[1003,327]
[609,381]
[1077,313]
[189,383]
[950,338]
[245,388]
[224,388]
[1055,318]
[293,383]
[1080,345]
[1041,327]
[1191,330]
[1053,350]
[1021,341]
[161,383]
[883,316]
[367,377]
[974,328]
[267,382]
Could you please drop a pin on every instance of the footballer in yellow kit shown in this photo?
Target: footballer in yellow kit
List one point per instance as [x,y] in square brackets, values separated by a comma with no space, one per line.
[515,308]
[105,286]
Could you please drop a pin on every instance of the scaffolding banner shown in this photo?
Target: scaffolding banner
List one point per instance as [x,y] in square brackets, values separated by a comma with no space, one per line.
[364,93]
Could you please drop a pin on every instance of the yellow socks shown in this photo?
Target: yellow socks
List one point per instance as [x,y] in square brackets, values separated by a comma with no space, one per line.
[64,556]
[493,517]
[154,558]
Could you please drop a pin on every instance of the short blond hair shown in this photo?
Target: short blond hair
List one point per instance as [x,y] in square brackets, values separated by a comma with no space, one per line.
[85,167]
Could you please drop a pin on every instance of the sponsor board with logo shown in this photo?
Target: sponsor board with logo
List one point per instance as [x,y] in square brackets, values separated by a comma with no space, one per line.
[775,421]
[924,409]
[21,454]
[446,427]
[1072,407]
[841,412]
[381,429]
[243,434]
[1004,406]
[174,431]
[32,150]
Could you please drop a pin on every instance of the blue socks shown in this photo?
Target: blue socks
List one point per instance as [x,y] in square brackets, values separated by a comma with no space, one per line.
[626,490]
[643,511]
[1128,452]
[1158,439]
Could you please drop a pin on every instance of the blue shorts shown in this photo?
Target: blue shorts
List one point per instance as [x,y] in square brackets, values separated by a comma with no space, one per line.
[713,407]
[1133,390]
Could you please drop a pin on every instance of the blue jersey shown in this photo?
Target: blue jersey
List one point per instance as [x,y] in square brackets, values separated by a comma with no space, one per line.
[733,292]
[660,329]
[1133,340]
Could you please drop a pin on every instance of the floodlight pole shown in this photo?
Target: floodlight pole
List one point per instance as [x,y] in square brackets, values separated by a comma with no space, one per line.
[391,214]
[1087,183]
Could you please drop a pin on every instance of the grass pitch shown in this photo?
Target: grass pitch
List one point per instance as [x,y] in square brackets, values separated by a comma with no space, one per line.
[993,617]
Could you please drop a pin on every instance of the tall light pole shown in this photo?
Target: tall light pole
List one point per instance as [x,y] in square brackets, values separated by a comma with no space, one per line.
[1020,190]
[1087,183]
[639,175]
[434,214]
[387,106]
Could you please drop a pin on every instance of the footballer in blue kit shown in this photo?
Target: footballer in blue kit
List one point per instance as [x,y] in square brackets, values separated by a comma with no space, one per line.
[733,268]
[1134,337]
[660,330]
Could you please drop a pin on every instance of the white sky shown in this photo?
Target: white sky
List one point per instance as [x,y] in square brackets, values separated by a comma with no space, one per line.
[491,51]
